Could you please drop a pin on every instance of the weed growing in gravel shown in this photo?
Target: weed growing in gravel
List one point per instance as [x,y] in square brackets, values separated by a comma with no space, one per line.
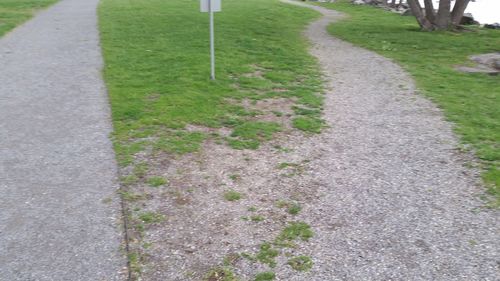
[294,231]
[156,181]
[235,177]
[285,165]
[151,217]
[231,259]
[265,276]
[232,195]
[129,180]
[134,262]
[129,196]
[301,263]
[252,209]
[282,149]
[267,254]
[179,142]
[141,169]
[220,274]
[257,218]
[294,209]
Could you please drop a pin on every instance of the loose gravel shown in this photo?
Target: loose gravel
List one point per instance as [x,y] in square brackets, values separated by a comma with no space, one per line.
[398,201]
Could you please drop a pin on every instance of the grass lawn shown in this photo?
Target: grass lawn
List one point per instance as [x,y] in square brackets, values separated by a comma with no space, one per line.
[471,101]
[15,12]
[157,72]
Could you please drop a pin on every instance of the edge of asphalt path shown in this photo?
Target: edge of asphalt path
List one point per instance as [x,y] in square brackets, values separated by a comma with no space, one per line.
[60,216]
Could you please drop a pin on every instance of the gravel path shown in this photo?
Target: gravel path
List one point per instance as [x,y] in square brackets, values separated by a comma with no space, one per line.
[59,211]
[401,204]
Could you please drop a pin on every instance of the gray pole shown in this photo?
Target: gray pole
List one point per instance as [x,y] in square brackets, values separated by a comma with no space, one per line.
[212,43]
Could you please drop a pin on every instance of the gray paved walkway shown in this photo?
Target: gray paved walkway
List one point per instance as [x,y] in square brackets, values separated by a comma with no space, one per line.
[57,167]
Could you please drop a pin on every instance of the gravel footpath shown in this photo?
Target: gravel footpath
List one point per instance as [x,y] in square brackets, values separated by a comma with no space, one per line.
[400,202]
[59,217]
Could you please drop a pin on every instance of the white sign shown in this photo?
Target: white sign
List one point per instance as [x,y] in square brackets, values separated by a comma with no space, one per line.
[205,6]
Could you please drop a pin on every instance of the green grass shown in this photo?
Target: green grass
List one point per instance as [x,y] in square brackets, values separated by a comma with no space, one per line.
[471,101]
[157,71]
[265,276]
[232,195]
[295,231]
[156,181]
[267,254]
[15,12]
[301,263]
[220,274]
[151,217]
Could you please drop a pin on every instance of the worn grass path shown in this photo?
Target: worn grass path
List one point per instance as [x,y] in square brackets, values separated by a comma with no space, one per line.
[401,204]
[58,207]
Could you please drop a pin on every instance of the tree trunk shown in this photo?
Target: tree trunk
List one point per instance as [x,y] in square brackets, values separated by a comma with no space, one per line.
[443,20]
[429,11]
[458,11]
[421,19]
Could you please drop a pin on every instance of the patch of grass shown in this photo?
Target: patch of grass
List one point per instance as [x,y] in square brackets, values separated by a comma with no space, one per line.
[220,274]
[151,217]
[267,254]
[285,165]
[129,180]
[243,144]
[231,259]
[157,71]
[281,203]
[252,209]
[265,276]
[140,170]
[134,262]
[15,12]
[301,263]
[471,101]
[156,181]
[294,231]
[254,133]
[232,195]
[130,196]
[308,124]
[257,218]
[179,142]
[294,208]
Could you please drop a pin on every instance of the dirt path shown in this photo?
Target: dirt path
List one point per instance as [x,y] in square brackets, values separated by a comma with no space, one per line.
[58,207]
[397,202]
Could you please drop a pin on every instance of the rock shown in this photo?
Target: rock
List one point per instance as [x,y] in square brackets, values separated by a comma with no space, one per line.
[496,64]
[468,19]
[485,63]
[492,26]
[358,2]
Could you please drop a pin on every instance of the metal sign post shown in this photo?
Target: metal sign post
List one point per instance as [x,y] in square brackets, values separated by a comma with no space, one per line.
[211,6]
